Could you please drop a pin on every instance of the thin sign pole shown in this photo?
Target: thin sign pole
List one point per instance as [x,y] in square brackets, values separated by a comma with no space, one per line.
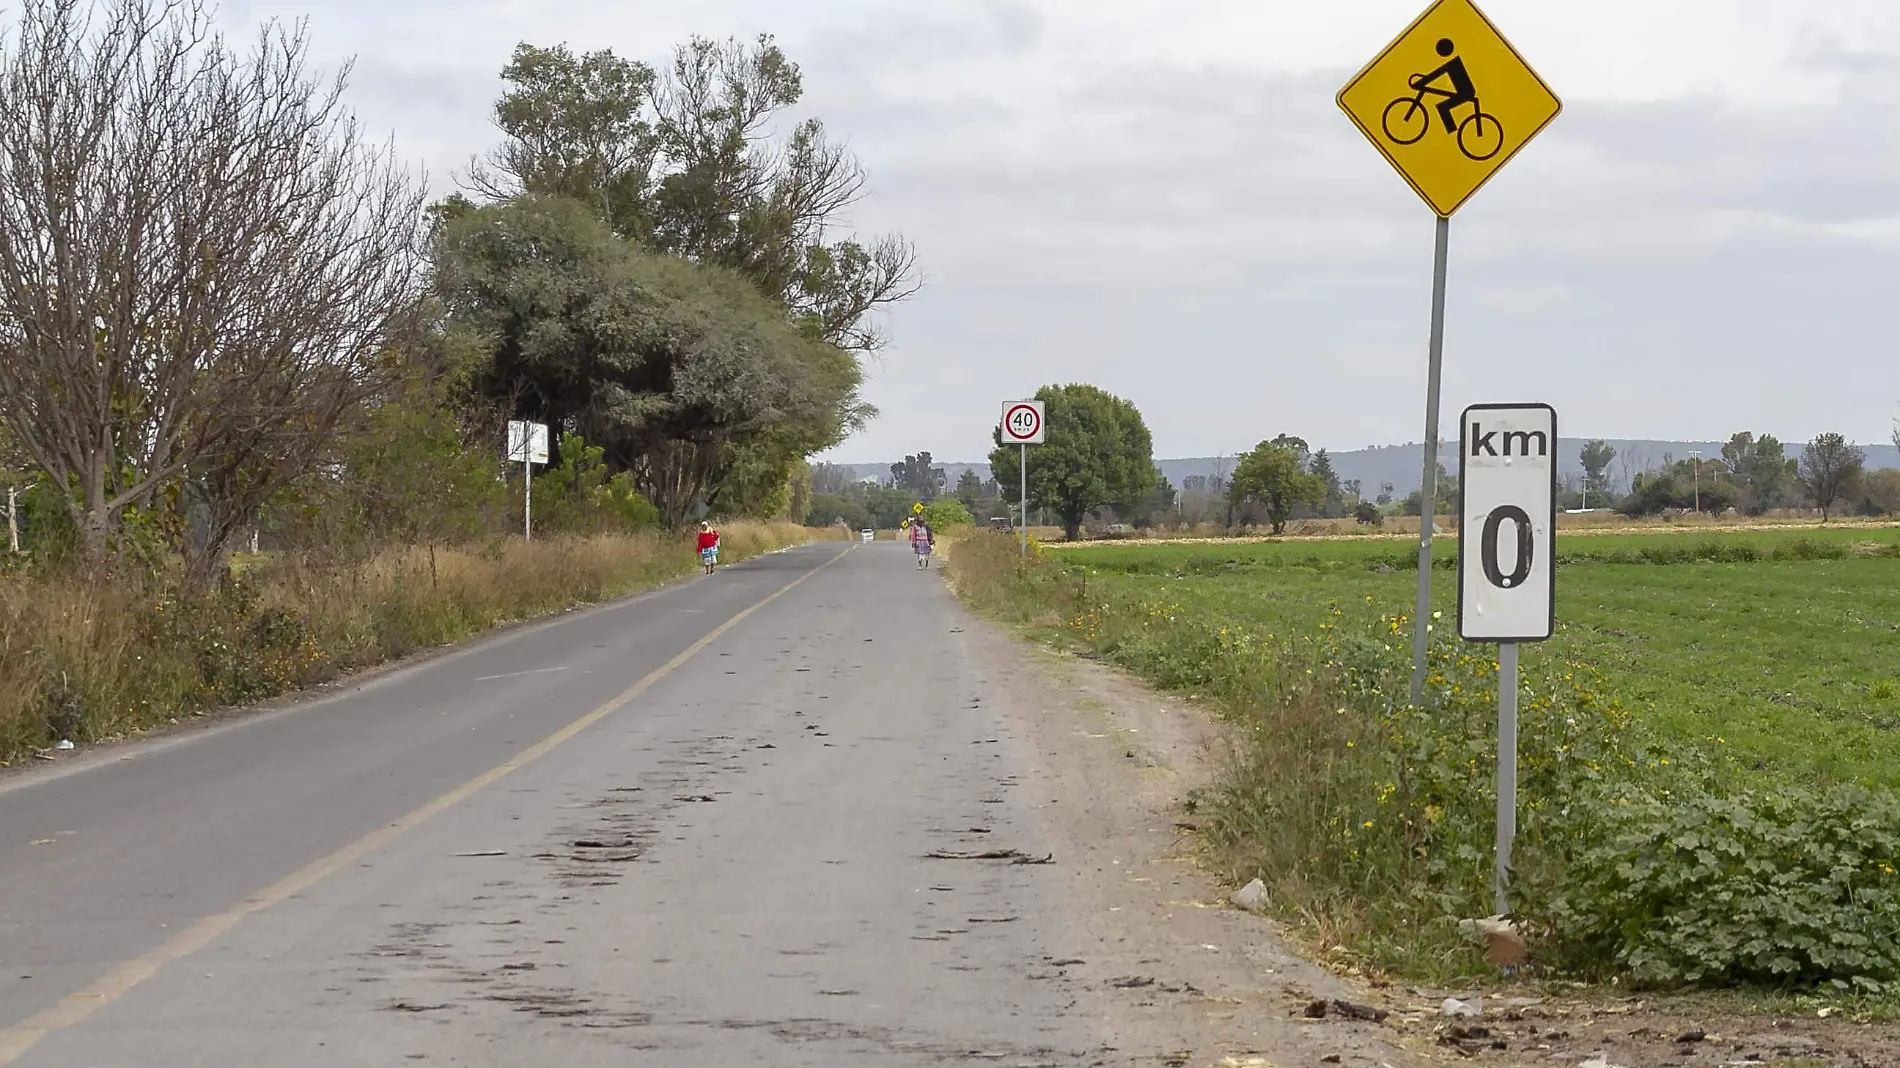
[527,494]
[1428,488]
[1023,470]
[1507,771]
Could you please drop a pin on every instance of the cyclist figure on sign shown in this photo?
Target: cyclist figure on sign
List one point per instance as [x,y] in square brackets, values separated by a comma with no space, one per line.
[1452,70]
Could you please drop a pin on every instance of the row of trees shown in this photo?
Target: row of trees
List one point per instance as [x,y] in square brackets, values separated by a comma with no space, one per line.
[1098,459]
[223,308]
[1754,475]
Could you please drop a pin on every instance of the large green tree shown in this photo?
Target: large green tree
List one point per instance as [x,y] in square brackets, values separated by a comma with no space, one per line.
[969,488]
[1761,470]
[1333,501]
[1097,453]
[917,474]
[1596,458]
[1274,477]
[1830,471]
[701,159]
[683,373]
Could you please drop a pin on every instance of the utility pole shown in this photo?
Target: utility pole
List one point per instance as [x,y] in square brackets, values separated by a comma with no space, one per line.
[1695,470]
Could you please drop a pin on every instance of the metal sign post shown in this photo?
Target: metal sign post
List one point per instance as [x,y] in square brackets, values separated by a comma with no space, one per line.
[1507,776]
[1448,104]
[1428,482]
[1024,425]
[1507,574]
[527,445]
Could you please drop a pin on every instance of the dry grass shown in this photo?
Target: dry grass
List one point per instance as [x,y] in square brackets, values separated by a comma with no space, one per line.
[92,661]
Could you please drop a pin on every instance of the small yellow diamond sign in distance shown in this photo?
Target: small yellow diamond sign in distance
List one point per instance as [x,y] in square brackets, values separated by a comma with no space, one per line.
[1449,103]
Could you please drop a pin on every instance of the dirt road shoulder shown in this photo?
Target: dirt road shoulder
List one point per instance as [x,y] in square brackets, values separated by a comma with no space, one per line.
[1191,980]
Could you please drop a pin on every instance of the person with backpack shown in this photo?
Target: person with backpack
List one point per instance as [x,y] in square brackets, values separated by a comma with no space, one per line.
[708,547]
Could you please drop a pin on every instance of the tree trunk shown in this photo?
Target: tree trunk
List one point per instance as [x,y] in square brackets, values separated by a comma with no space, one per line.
[95,523]
[205,570]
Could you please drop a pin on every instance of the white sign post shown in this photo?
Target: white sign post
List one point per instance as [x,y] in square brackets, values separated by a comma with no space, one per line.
[527,445]
[1023,425]
[1507,574]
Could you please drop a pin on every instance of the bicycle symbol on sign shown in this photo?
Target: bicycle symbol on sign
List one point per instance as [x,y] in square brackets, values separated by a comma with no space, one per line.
[1479,136]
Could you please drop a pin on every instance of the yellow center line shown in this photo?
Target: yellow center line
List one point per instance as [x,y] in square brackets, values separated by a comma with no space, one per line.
[15,1041]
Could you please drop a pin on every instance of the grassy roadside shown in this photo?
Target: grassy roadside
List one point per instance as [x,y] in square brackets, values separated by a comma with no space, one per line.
[92,662]
[1785,647]
[1641,858]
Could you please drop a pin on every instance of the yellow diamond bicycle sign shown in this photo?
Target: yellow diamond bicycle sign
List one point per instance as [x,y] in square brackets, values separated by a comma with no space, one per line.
[1449,103]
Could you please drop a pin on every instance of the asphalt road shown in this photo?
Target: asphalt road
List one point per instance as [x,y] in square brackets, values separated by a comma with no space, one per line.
[688,829]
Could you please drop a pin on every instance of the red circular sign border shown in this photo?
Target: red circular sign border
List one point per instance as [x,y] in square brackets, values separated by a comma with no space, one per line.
[1022,406]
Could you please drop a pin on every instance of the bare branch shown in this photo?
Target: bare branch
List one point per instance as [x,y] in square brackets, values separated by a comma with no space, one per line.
[201,261]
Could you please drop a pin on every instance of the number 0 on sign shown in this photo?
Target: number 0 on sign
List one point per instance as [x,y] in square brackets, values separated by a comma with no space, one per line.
[1507,526]
[1022,423]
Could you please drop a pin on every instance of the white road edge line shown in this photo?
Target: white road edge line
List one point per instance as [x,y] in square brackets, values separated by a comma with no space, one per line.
[518,674]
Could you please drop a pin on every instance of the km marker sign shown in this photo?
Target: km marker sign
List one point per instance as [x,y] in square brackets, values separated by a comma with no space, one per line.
[1484,443]
[1507,566]
[1507,523]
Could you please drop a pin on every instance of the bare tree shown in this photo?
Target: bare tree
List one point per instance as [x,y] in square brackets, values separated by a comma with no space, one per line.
[1896,434]
[1830,468]
[202,263]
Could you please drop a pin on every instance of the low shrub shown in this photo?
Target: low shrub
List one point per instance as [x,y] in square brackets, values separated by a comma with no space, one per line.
[1781,886]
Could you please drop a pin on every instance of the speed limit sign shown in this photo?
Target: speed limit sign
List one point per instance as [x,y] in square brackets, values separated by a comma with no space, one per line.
[1507,526]
[1022,423]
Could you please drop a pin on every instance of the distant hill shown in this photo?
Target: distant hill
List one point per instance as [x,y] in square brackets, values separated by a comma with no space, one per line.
[1401,464]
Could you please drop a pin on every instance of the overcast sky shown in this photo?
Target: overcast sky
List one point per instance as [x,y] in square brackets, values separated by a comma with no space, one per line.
[1161,198]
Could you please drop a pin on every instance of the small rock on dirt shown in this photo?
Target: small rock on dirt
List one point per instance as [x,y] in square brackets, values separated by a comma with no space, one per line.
[1359,1012]
[1457,1007]
[1252,897]
[1504,945]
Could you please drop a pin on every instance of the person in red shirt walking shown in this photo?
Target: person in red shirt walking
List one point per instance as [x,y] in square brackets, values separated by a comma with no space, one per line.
[708,547]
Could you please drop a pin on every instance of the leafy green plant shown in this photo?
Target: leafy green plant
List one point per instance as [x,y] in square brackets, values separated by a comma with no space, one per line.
[1783,886]
[581,496]
[946,512]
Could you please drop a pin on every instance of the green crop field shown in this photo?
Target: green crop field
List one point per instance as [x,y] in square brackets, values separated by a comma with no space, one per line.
[1780,649]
